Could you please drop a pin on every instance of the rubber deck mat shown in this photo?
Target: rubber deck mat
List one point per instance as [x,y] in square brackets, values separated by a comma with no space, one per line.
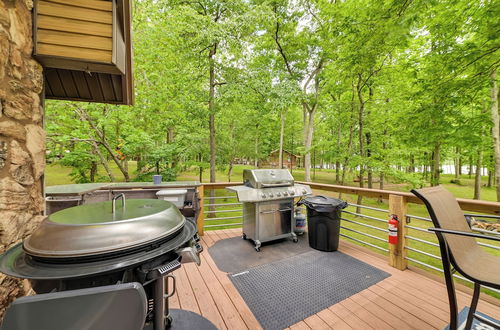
[285,292]
[233,255]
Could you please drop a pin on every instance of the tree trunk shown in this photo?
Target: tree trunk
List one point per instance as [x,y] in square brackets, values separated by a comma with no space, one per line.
[368,155]
[412,164]
[308,136]
[346,159]
[495,130]
[337,171]
[282,136]
[337,161]
[200,159]
[477,178]
[93,171]
[350,141]
[368,137]
[361,141]
[211,111]
[436,161]
[138,164]
[457,163]
[256,161]
[490,177]
[471,160]
[230,171]
[211,122]
[103,140]
[104,162]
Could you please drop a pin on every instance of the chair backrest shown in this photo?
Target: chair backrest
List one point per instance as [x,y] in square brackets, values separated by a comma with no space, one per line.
[121,306]
[445,213]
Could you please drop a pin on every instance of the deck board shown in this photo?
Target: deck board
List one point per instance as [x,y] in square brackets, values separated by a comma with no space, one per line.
[405,300]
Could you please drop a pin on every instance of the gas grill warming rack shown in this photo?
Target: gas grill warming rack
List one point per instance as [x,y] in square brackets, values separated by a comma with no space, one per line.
[268,204]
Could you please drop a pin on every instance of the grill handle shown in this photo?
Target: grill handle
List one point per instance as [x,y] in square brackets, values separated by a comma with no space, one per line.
[113,202]
[274,211]
[279,184]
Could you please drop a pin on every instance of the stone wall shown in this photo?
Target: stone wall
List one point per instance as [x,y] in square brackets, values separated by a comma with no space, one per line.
[22,139]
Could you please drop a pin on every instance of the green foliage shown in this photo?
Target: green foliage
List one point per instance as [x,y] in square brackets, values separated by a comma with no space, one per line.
[80,161]
[393,81]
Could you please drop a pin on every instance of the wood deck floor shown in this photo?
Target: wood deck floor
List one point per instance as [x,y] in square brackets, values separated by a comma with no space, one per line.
[405,300]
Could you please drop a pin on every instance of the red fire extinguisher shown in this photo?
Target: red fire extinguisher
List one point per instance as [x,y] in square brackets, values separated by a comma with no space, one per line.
[393,229]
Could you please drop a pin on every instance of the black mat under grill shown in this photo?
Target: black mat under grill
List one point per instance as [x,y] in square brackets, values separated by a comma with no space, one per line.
[285,292]
[233,255]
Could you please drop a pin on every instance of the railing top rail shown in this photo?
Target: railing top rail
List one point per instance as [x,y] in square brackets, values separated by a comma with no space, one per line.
[465,204]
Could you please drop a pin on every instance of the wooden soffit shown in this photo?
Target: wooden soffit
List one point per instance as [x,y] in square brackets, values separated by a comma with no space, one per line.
[85,47]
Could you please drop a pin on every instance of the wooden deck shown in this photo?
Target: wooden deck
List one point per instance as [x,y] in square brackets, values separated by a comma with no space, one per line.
[405,300]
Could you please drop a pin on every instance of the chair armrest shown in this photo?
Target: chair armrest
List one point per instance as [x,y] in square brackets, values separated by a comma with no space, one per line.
[463,233]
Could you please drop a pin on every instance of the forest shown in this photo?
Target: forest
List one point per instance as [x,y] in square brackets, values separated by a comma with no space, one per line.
[382,90]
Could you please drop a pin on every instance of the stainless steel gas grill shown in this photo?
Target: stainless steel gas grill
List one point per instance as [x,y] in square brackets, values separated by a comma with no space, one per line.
[268,204]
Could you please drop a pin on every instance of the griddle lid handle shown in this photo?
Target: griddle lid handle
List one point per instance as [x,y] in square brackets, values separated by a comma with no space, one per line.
[113,202]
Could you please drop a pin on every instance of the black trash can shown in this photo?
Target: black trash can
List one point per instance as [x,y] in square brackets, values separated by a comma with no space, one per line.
[323,221]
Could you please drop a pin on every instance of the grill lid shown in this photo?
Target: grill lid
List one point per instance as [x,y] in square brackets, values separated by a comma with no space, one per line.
[267,178]
[94,229]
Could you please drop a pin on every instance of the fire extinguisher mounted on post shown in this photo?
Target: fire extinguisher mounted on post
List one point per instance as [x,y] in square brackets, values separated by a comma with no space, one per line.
[393,229]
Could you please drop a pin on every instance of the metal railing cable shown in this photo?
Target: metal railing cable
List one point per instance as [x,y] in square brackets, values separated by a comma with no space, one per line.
[365,225]
[369,207]
[365,234]
[364,216]
[363,242]
[225,211]
[224,225]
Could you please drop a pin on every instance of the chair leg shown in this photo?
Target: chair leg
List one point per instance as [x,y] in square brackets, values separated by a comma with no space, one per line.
[473,306]
[450,287]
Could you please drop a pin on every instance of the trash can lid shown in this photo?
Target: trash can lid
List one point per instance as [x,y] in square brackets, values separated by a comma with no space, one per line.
[323,203]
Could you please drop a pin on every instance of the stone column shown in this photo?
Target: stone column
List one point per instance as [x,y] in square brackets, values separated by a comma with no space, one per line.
[22,138]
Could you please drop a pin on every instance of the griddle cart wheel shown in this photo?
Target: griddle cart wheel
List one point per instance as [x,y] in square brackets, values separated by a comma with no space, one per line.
[168,321]
[295,239]
[257,249]
[244,236]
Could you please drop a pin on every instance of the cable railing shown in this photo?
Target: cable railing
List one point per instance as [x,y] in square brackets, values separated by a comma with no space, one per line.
[366,225]
[222,210]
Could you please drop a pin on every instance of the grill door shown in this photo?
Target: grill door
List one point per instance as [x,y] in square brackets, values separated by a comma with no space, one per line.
[275,219]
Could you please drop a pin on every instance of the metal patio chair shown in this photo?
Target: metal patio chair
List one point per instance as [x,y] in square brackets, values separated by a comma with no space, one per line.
[460,251]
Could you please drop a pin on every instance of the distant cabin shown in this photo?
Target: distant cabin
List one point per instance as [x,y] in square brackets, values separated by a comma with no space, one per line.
[290,160]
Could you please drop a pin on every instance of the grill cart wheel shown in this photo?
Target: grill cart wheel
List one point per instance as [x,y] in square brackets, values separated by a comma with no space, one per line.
[244,236]
[257,245]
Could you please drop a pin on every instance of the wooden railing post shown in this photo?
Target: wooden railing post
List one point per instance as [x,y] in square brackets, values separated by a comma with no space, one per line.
[201,216]
[397,252]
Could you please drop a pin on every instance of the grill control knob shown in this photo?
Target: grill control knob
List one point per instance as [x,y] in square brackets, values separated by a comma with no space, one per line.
[304,191]
[292,192]
[285,193]
[271,195]
[278,194]
[263,195]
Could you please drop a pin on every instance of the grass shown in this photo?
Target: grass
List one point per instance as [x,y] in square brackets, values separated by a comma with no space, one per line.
[56,174]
